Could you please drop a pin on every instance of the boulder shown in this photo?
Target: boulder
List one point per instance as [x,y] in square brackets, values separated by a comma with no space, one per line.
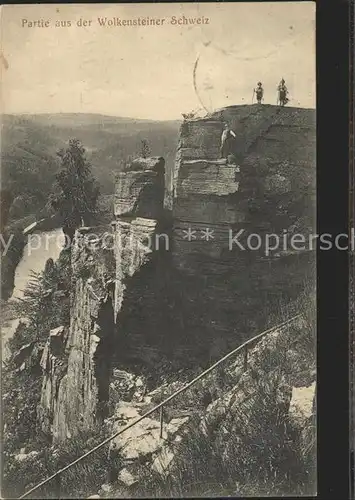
[139,190]
[22,456]
[143,444]
[302,404]
[126,386]
[23,353]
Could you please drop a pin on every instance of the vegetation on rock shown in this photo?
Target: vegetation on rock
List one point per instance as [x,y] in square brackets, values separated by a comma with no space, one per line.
[76,191]
[45,306]
[145,149]
[40,459]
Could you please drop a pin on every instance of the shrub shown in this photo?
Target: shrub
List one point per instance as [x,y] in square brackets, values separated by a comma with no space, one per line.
[80,481]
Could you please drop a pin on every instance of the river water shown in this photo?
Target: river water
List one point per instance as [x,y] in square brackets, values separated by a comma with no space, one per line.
[39,248]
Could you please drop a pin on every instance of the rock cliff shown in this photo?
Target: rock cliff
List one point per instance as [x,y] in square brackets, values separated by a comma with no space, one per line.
[77,363]
[172,288]
[269,188]
[75,367]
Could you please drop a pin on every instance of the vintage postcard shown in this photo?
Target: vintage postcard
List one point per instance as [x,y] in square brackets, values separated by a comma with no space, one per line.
[158,220]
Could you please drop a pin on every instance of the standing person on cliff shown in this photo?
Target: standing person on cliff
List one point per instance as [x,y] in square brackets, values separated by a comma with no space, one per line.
[282,93]
[259,92]
[227,142]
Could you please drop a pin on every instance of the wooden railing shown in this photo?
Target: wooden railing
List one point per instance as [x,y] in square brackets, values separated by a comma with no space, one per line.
[243,348]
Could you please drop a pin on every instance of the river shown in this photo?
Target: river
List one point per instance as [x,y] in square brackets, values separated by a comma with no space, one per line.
[40,247]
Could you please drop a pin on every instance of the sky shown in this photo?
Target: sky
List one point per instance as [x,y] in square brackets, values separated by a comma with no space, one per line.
[148,71]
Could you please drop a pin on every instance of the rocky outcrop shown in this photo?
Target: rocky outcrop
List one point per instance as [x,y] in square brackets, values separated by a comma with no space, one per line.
[73,385]
[136,303]
[10,260]
[54,365]
[29,355]
[77,363]
[235,281]
[133,244]
[154,295]
[302,404]
[206,294]
[144,444]
[140,189]
[270,186]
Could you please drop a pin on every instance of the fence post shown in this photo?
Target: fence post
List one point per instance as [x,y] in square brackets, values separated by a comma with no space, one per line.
[161,421]
[245,364]
[58,486]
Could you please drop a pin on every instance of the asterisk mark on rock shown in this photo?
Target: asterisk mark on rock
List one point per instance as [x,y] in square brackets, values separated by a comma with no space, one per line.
[207,234]
[189,234]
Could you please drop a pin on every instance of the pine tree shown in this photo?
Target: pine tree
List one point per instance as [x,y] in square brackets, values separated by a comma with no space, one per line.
[145,149]
[76,191]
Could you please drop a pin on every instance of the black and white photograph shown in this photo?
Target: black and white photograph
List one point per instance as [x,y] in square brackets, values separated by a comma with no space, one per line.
[158,250]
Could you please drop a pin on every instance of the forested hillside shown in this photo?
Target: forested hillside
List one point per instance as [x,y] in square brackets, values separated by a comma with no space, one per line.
[30,143]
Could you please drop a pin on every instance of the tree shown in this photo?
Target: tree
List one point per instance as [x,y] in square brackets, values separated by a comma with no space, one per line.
[76,191]
[145,149]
